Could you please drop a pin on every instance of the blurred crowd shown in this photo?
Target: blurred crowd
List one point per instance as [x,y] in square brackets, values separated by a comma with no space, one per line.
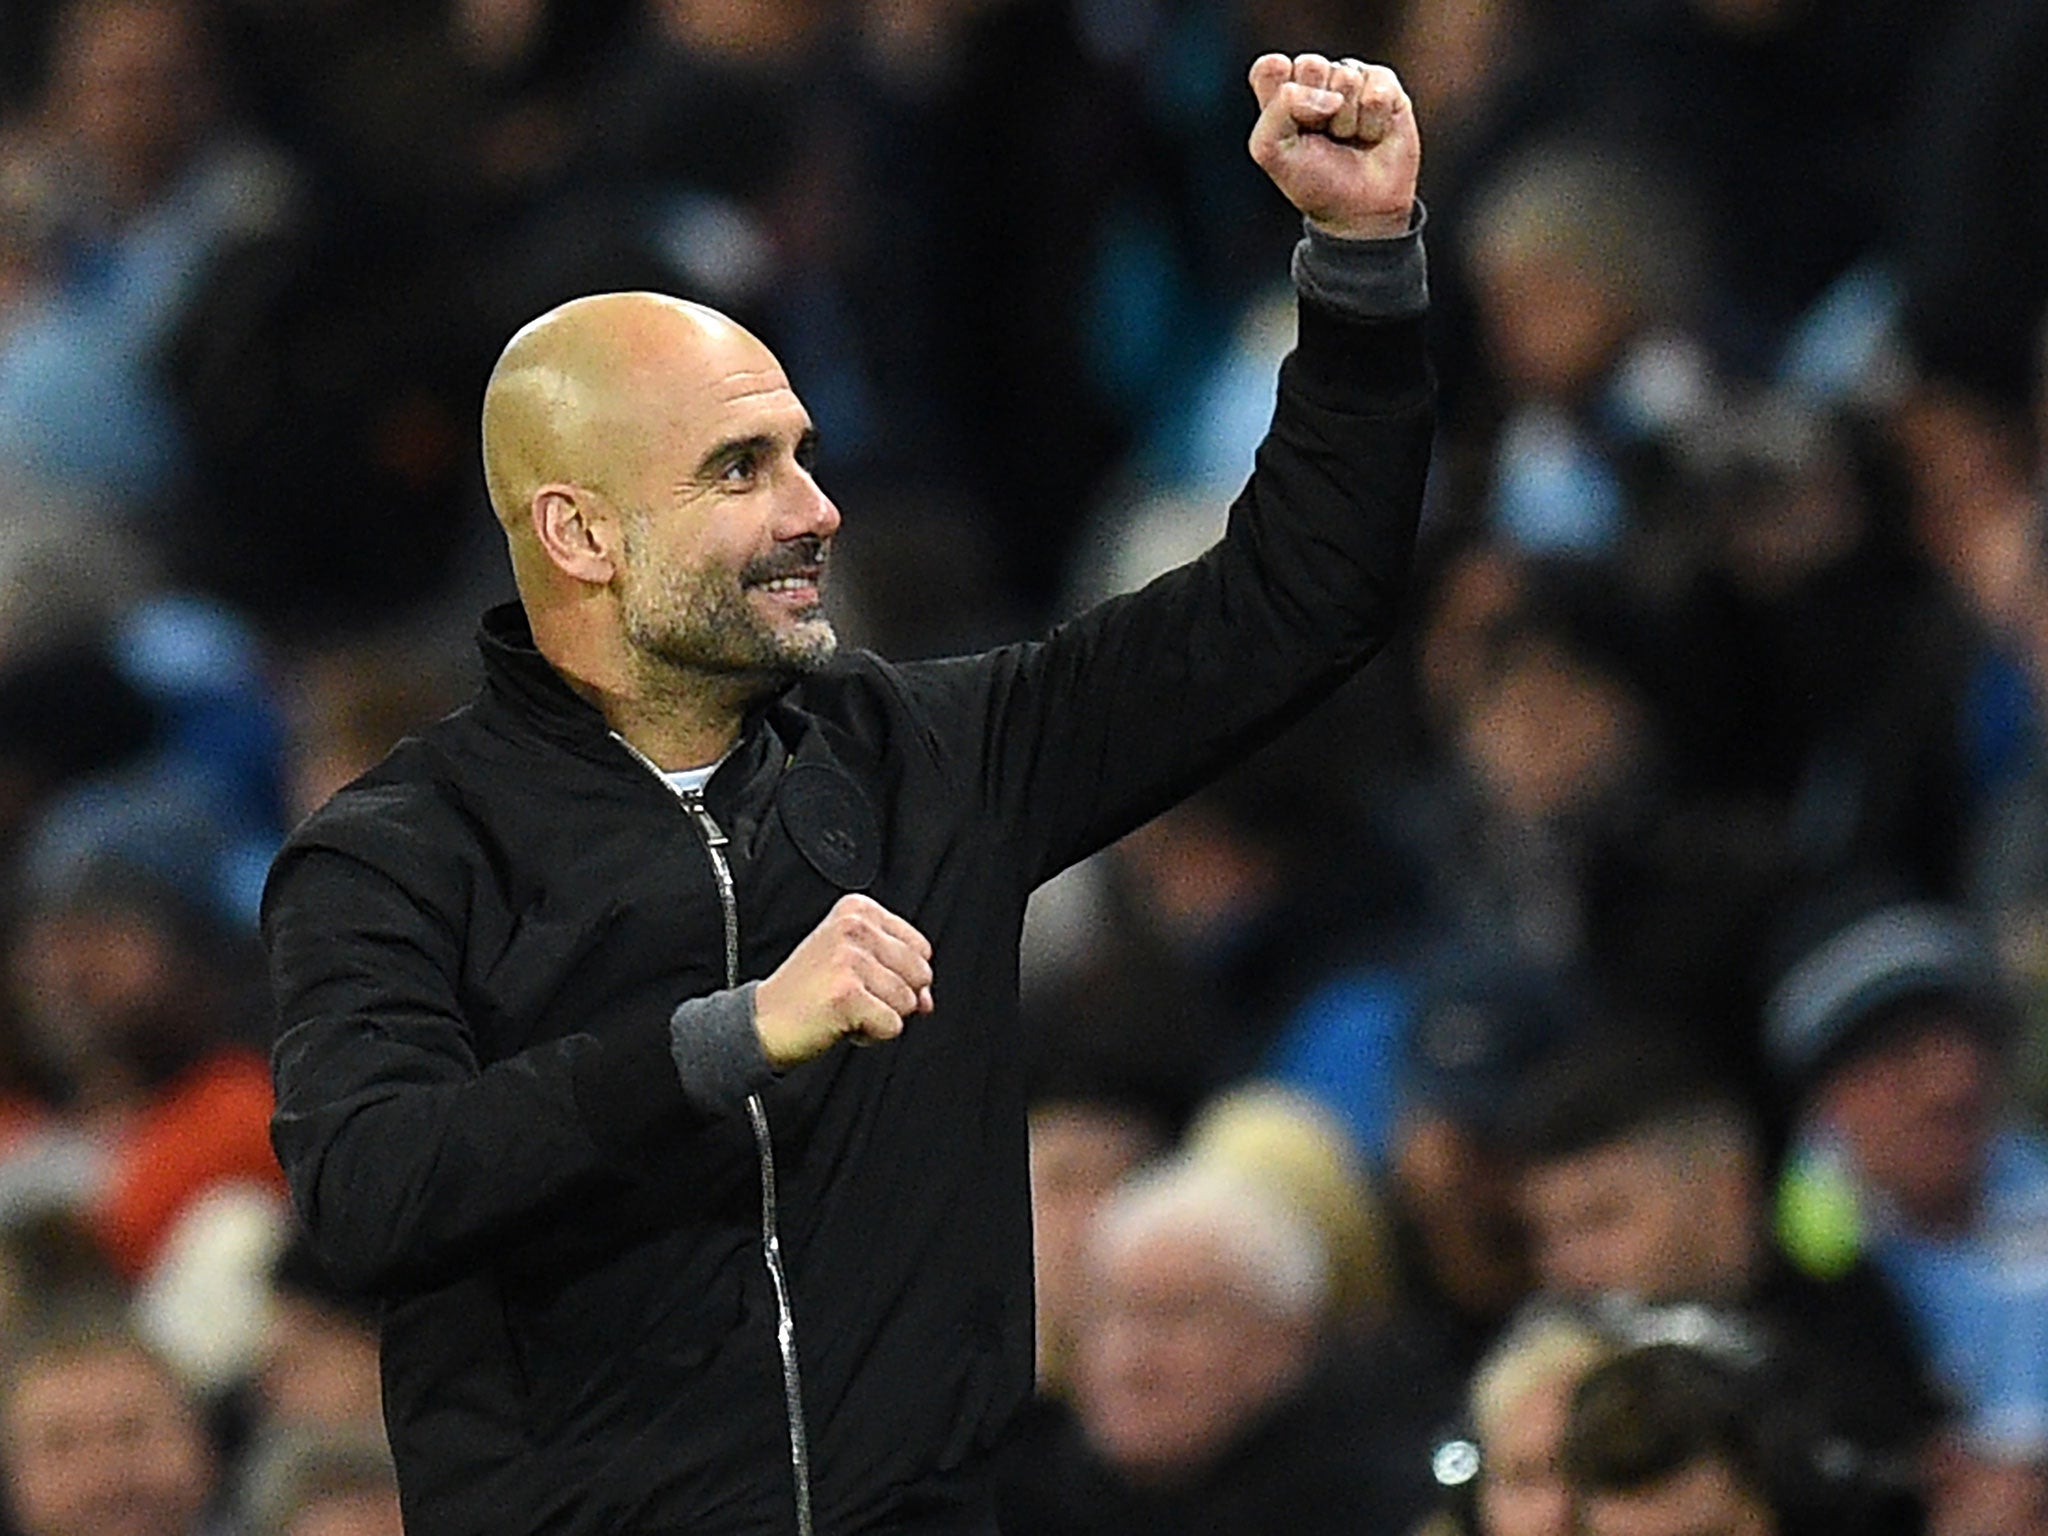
[1590,1076]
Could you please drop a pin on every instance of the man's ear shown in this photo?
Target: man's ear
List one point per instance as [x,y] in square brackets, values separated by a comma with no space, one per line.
[577,531]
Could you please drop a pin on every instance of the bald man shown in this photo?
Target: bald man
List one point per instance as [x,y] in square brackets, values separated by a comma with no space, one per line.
[569,985]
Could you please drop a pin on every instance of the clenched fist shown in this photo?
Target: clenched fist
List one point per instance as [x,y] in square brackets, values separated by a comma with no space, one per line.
[859,974]
[1340,140]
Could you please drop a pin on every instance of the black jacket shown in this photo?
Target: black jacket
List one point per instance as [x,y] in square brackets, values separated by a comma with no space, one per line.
[477,949]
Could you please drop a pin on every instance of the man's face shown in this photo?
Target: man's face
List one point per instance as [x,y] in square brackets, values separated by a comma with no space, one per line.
[1917,1113]
[1703,1499]
[91,985]
[724,533]
[1551,326]
[1633,1218]
[100,1444]
[1174,1358]
[1459,1194]
[130,82]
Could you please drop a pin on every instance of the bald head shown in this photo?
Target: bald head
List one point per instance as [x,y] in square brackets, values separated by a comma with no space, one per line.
[651,467]
[578,395]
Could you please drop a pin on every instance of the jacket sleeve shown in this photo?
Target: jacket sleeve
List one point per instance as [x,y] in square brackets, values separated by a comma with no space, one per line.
[1071,741]
[410,1158]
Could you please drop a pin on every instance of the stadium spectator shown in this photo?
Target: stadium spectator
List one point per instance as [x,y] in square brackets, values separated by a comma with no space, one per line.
[153,183]
[1889,1031]
[98,1437]
[1501,1473]
[1584,271]
[1705,1435]
[1205,1392]
[1645,1176]
[131,974]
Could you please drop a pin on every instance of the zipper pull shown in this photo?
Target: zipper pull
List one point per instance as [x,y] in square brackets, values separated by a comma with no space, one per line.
[693,802]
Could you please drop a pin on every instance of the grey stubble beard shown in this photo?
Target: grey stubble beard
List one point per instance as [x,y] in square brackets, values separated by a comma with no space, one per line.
[695,632]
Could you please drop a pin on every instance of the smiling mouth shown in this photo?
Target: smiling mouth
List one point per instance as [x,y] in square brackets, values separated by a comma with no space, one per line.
[794,594]
[790,576]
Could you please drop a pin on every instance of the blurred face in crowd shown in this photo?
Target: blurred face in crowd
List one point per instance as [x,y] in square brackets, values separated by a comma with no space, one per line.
[1780,528]
[1458,1193]
[1703,1499]
[99,1442]
[1916,1110]
[739,29]
[129,84]
[1522,1492]
[1480,591]
[1664,1215]
[1552,327]
[1196,875]
[1176,1355]
[1079,1151]
[1549,734]
[103,994]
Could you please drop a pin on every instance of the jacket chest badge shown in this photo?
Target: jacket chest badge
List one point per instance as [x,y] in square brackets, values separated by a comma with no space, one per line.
[832,824]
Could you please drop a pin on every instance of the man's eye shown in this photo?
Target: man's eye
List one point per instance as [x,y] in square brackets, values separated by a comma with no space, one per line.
[738,470]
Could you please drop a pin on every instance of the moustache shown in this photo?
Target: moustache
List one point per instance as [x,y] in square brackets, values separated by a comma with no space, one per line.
[799,557]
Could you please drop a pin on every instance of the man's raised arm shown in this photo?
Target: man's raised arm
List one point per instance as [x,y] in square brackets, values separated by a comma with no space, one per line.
[1076,739]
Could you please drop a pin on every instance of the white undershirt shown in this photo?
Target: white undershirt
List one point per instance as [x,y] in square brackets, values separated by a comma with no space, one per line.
[690,781]
[684,781]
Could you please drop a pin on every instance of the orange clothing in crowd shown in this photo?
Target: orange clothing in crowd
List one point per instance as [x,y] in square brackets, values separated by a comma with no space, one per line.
[209,1125]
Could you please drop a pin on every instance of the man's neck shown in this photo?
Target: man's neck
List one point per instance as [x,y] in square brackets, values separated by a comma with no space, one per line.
[676,721]
[675,717]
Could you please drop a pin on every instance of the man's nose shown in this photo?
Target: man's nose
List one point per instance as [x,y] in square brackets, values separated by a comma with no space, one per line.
[808,510]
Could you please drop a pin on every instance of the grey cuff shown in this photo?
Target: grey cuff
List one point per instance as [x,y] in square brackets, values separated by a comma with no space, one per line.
[1365,279]
[716,1050]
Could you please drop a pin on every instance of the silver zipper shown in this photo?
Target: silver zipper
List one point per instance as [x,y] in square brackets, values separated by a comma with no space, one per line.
[764,1146]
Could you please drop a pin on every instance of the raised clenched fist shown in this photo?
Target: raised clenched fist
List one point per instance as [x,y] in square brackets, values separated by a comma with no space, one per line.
[1339,139]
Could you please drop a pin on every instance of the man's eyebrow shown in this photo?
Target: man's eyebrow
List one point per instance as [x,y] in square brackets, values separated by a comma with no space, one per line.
[732,450]
[723,455]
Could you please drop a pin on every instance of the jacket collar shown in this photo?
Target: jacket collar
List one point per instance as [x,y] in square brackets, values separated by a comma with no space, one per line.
[517,675]
[519,679]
